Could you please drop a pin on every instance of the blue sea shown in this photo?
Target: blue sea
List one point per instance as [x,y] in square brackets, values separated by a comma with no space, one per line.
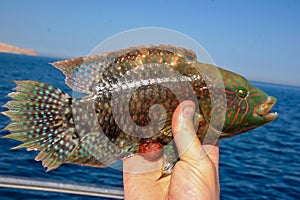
[260,164]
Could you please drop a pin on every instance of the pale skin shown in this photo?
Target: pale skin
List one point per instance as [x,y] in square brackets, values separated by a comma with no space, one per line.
[195,176]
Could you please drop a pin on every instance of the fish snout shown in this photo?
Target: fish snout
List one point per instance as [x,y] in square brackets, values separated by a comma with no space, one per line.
[264,109]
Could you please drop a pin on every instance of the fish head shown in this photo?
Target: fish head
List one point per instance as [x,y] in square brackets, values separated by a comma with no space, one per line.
[247,107]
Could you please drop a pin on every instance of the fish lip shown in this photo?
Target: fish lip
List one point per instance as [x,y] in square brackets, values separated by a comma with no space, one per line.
[270,116]
[264,109]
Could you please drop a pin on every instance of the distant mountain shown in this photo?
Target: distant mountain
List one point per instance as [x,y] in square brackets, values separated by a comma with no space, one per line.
[7,48]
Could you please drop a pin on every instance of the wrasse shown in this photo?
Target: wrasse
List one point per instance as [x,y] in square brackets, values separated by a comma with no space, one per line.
[130,96]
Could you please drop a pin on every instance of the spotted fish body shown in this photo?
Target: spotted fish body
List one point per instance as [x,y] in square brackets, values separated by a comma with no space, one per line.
[131,95]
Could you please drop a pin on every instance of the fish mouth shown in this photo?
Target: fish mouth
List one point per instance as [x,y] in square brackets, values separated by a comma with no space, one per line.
[264,109]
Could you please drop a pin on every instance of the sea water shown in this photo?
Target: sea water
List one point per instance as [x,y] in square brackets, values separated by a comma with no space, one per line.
[260,164]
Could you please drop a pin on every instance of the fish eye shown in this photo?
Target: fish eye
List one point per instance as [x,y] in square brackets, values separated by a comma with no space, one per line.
[242,92]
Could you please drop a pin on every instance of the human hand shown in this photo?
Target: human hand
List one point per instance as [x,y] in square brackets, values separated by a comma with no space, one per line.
[193,177]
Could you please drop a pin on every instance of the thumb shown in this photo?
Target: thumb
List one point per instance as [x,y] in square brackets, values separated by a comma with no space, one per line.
[187,143]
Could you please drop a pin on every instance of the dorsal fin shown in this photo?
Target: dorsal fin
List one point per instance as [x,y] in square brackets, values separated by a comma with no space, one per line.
[83,73]
[187,54]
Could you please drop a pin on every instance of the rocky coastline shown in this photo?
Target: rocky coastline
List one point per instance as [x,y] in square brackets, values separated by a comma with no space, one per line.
[7,48]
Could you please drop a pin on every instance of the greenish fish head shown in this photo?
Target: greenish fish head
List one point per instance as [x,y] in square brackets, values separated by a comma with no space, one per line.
[248,107]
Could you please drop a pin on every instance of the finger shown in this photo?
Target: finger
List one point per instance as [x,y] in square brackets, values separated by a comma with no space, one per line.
[138,165]
[213,153]
[140,178]
[188,145]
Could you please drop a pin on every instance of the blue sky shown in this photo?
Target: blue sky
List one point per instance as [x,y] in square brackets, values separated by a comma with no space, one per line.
[259,39]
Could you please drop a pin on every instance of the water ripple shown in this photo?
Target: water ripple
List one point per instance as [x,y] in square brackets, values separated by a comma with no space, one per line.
[261,164]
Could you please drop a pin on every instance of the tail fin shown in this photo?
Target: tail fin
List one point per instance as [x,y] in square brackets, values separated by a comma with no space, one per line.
[41,118]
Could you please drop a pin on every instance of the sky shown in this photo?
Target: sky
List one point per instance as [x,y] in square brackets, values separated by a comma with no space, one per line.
[259,39]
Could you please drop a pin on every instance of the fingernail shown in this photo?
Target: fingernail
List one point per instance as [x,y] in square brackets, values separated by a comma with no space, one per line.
[188,112]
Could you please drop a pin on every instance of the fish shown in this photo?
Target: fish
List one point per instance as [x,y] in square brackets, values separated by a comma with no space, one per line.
[122,104]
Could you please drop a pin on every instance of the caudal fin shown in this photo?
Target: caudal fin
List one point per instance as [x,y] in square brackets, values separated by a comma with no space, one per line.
[41,118]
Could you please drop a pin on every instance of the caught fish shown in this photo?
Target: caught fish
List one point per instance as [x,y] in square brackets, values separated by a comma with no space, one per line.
[126,106]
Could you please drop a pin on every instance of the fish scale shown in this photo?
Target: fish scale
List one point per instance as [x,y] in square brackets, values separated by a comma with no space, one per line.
[131,95]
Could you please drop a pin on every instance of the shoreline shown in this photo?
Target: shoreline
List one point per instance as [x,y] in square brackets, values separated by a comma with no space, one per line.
[8,48]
